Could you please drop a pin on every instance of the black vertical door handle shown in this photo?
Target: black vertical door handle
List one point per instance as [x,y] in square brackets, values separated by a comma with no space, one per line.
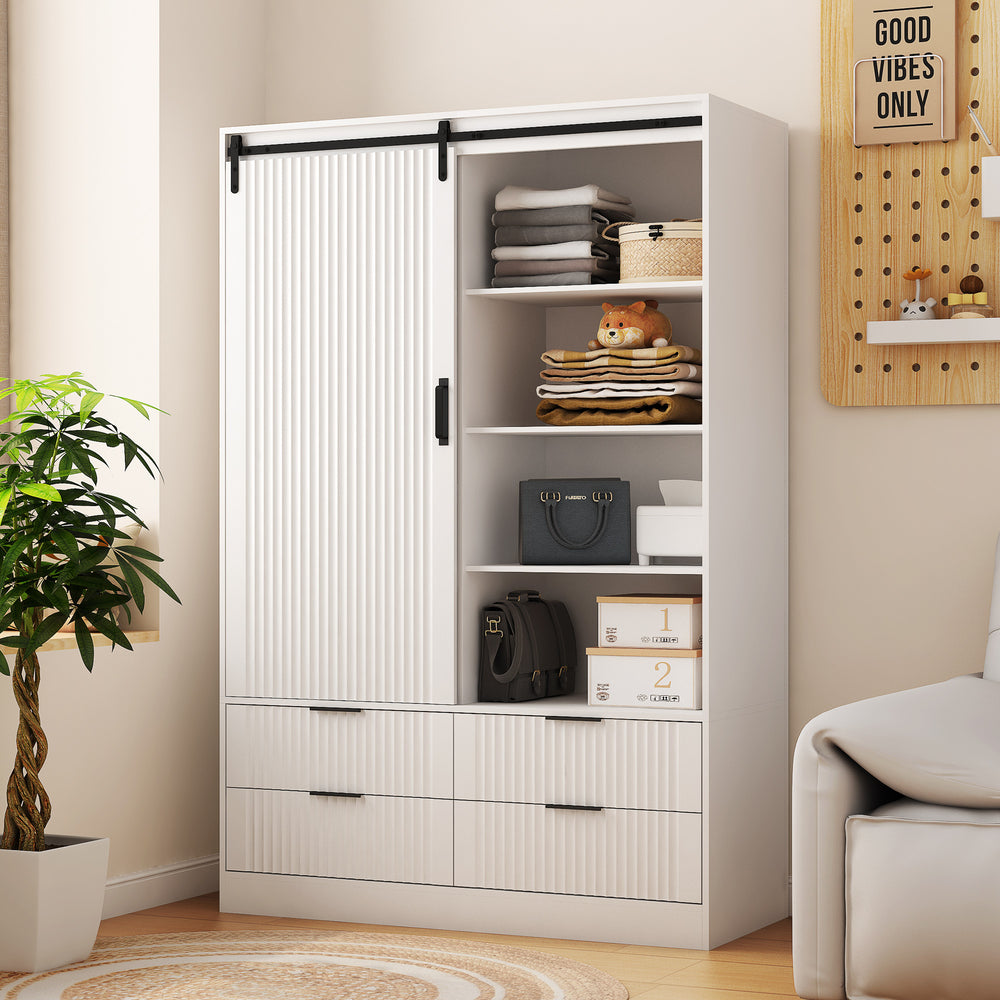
[235,149]
[441,411]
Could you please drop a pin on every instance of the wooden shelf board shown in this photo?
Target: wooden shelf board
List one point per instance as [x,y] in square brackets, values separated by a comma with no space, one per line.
[654,430]
[66,640]
[672,569]
[935,331]
[569,295]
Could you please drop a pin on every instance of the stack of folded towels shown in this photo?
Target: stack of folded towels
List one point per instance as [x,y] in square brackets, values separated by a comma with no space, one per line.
[553,237]
[616,385]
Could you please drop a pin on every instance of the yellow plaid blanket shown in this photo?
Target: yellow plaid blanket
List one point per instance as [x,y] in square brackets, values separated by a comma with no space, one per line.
[622,357]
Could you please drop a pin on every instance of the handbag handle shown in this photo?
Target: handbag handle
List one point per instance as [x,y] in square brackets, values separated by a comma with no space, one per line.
[603,501]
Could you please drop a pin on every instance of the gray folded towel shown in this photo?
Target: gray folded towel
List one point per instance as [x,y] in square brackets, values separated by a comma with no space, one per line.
[505,268]
[570,215]
[534,280]
[532,236]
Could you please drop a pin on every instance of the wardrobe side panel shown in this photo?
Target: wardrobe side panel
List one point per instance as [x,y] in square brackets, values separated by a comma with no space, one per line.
[746,485]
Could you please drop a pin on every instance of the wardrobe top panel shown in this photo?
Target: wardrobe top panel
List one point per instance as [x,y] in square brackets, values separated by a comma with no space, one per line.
[669,107]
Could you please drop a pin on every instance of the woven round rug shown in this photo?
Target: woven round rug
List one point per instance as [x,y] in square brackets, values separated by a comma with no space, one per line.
[311,965]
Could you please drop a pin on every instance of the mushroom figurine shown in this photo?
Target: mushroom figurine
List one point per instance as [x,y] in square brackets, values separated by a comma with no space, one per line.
[917,308]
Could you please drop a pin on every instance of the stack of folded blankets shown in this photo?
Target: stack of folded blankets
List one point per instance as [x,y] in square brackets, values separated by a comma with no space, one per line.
[553,237]
[616,385]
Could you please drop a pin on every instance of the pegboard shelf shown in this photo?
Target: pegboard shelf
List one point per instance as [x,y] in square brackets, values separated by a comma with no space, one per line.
[935,331]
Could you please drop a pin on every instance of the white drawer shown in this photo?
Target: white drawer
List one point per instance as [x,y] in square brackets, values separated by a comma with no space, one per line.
[624,853]
[323,750]
[611,762]
[382,839]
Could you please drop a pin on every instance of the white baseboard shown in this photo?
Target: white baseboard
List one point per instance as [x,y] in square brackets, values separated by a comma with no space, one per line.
[141,890]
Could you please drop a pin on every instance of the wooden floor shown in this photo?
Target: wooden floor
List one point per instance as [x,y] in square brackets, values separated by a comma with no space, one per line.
[757,967]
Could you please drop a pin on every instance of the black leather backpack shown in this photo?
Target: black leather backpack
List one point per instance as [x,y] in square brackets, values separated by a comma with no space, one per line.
[528,649]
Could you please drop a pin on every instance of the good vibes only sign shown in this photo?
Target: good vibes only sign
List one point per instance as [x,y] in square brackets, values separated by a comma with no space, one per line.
[904,72]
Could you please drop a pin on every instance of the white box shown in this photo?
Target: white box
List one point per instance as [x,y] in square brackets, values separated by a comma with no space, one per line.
[651,620]
[669,531]
[989,179]
[643,678]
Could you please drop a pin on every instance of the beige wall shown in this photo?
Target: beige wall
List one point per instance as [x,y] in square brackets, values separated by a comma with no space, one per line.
[210,76]
[115,111]
[893,511]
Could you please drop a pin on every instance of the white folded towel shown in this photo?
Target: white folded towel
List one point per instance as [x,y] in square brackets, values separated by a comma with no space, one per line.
[615,390]
[512,197]
[578,249]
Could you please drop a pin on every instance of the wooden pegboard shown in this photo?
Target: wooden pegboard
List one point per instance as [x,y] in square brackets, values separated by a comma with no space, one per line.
[889,208]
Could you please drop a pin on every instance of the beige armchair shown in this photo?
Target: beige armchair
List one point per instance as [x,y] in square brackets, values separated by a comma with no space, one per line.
[896,842]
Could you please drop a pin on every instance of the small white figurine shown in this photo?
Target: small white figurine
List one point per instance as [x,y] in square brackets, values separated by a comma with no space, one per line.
[918,308]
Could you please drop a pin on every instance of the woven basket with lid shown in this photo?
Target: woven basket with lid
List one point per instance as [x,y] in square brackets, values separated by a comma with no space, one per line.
[659,251]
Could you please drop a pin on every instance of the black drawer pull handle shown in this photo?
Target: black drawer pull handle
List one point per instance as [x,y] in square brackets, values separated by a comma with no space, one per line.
[590,809]
[441,411]
[571,718]
[339,795]
[324,708]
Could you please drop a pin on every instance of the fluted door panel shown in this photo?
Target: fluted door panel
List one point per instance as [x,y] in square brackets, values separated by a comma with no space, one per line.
[339,499]
[382,753]
[609,762]
[384,839]
[624,853]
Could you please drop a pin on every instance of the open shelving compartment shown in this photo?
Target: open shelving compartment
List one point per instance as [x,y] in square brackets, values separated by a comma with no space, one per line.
[502,335]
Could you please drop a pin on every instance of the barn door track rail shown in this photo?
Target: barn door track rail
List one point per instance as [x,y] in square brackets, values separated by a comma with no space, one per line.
[236,150]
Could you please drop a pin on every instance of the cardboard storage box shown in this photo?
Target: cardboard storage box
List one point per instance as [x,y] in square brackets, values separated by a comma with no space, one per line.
[649,620]
[644,678]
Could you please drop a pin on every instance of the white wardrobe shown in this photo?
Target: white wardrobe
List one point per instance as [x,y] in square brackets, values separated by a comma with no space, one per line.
[378,414]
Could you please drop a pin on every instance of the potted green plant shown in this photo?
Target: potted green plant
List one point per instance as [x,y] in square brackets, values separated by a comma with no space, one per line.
[64,560]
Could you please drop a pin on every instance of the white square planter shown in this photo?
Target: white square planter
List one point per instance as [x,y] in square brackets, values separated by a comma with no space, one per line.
[52,903]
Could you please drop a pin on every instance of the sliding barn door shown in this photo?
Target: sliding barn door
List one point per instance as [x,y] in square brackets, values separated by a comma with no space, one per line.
[339,498]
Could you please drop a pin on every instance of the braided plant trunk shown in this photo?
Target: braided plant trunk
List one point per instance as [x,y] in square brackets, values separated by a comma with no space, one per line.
[28,806]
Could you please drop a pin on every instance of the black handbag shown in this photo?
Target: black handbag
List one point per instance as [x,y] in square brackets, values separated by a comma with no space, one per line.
[527,650]
[574,522]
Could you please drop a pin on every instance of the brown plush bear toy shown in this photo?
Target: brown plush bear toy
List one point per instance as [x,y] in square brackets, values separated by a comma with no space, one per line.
[639,325]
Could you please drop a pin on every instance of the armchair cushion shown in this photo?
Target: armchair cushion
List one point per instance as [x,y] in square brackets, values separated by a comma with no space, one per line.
[923,903]
[936,743]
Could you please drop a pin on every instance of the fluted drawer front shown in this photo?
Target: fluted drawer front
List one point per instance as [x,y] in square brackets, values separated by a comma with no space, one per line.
[379,752]
[625,853]
[377,838]
[612,762]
